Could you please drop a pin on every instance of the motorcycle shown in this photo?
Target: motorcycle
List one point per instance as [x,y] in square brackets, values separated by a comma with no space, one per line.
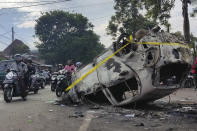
[63,81]
[11,86]
[35,84]
[47,76]
[54,81]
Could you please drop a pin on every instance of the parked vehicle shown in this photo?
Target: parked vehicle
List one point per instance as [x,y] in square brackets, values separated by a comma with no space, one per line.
[41,80]
[13,87]
[54,81]
[63,81]
[47,76]
[5,65]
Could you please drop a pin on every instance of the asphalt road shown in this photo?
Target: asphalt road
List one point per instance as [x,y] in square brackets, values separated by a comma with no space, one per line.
[36,114]
[39,113]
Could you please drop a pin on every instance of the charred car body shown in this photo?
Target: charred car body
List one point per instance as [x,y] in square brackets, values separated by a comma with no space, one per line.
[138,73]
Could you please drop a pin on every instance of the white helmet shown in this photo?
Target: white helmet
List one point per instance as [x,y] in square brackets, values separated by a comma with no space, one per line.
[78,64]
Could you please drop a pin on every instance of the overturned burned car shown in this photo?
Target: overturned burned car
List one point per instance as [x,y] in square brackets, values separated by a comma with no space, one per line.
[138,73]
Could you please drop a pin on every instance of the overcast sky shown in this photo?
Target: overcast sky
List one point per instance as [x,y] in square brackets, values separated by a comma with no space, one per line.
[97,11]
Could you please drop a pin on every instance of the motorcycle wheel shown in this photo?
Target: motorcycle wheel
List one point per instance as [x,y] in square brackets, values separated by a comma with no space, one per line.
[24,95]
[8,95]
[35,91]
[24,98]
[43,85]
[52,87]
[58,91]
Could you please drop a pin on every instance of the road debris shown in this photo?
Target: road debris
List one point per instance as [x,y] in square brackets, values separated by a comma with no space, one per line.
[76,115]
[130,115]
[29,121]
[62,105]
[140,124]
[50,110]
[50,102]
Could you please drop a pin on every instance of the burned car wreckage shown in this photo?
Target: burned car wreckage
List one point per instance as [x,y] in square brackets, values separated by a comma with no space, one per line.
[138,73]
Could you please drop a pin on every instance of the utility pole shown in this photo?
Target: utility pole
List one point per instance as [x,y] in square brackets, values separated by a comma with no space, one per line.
[12,46]
[12,34]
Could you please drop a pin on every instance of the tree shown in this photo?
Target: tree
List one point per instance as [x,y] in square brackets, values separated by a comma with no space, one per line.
[192,42]
[160,9]
[156,10]
[128,19]
[66,36]
[21,49]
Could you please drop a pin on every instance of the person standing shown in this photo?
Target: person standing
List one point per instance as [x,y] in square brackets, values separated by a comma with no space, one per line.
[194,71]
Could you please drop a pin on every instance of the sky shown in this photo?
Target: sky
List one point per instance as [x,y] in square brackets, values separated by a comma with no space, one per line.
[98,12]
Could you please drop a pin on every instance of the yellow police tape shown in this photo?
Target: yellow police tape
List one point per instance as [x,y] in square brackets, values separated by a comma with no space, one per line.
[105,60]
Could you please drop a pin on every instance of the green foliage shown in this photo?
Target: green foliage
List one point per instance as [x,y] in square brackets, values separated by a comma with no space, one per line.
[192,43]
[128,19]
[2,59]
[20,49]
[156,10]
[159,9]
[66,36]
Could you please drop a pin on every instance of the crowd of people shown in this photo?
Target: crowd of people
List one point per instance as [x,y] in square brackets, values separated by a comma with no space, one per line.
[26,69]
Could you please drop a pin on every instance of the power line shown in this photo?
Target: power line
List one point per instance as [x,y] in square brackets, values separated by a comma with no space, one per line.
[5,37]
[34,5]
[3,27]
[72,7]
[24,2]
[21,38]
[4,43]
[99,17]
[5,33]
[93,19]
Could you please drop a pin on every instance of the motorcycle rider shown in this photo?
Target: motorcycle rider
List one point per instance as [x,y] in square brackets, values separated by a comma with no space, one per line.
[31,70]
[194,71]
[59,67]
[70,68]
[22,69]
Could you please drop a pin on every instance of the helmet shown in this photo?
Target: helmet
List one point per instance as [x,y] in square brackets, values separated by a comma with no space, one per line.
[18,58]
[60,65]
[78,64]
[29,60]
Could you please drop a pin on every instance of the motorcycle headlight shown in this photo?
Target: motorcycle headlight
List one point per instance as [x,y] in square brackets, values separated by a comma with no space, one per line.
[9,76]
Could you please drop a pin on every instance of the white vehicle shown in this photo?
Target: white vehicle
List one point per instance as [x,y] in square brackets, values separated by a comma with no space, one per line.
[139,73]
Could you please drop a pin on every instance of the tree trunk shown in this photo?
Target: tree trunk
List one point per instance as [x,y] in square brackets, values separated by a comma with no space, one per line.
[194,47]
[186,25]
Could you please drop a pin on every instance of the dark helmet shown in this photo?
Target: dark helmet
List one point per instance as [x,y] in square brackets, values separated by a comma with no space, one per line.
[18,58]
[29,60]
[60,66]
